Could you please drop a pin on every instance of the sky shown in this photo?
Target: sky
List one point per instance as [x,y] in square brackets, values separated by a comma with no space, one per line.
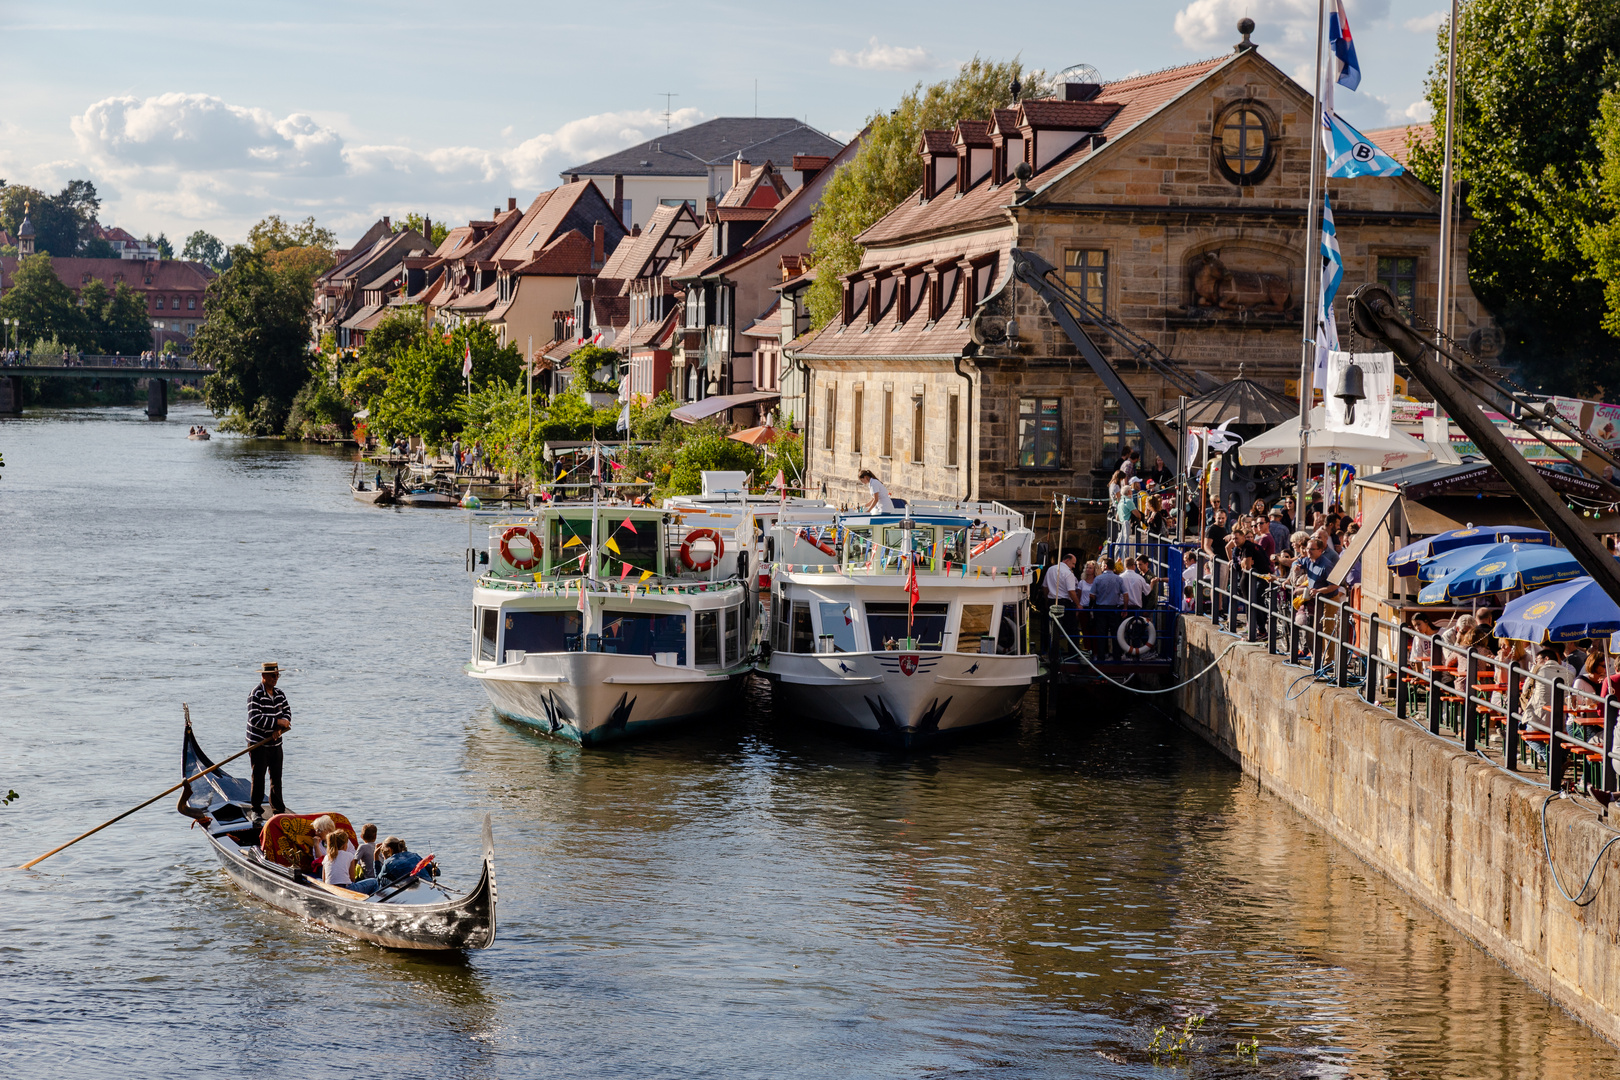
[211,116]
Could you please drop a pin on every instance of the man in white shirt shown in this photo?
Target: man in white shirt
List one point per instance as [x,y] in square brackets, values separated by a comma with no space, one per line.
[1062,587]
[1136,586]
[880,494]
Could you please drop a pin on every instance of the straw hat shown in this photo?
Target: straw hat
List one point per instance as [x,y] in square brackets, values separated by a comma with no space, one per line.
[270,668]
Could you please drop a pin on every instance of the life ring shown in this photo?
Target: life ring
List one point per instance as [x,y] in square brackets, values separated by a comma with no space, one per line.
[701,534]
[1136,651]
[534,548]
[985,545]
[820,545]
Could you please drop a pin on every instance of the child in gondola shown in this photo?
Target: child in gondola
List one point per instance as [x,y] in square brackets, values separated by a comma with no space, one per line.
[338,866]
[366,854]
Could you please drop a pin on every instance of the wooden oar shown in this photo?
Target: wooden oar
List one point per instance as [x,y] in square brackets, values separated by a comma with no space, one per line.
[148,802]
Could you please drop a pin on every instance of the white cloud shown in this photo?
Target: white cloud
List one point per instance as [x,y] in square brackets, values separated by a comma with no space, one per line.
[879,57]
[1419,112]
[190,160]
[1284,29]
[1425,24]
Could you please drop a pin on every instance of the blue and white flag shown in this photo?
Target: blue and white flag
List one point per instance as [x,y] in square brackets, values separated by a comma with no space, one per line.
[1350,153]
[1343,47]
[1327,325]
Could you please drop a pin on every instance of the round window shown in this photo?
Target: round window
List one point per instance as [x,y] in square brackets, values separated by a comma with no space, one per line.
[1245,146]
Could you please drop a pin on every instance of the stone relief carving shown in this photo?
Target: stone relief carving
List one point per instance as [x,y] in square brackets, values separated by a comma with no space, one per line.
[1222,288]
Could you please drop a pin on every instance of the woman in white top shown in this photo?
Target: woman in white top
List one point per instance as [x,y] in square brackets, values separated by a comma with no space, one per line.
[338,868]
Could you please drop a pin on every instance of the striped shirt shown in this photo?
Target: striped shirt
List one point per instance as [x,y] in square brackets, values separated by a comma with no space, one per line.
[266,706]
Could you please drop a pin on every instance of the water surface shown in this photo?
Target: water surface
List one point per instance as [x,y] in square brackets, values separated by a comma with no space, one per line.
[740,900]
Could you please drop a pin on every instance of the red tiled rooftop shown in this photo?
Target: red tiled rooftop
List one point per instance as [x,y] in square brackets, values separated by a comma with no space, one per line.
[1398,141]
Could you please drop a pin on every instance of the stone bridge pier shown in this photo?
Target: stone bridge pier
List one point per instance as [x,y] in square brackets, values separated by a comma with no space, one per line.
[157,399]
[10,395]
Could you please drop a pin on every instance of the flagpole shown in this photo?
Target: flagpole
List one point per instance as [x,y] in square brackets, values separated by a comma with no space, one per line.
[1447,222]
[1313,264]
[529,439]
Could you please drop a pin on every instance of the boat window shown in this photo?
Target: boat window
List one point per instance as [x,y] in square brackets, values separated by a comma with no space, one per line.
[707,635]
[639,547]
[1010,634]
[860,543]
[954,543]
[733,632]
[890,627]
[486,639]
[566,540]
[975,626]
[838,623]
[804,639]
[781,607]
[894,543]
[542,631]
[643,633]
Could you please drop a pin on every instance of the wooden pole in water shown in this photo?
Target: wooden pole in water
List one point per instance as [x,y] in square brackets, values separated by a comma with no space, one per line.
[148,802]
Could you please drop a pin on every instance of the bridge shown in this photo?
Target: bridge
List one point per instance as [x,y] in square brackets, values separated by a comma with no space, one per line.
[158,374]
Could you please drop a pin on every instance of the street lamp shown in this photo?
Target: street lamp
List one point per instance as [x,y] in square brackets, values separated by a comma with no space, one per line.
[157,325]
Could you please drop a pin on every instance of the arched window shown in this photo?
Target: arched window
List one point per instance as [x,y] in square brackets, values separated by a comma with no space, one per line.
[1243,146]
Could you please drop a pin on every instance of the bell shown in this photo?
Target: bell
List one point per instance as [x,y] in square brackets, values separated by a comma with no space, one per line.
[1351,389]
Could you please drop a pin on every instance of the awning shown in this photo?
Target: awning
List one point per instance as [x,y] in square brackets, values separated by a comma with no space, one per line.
[1280,446]
[694,411]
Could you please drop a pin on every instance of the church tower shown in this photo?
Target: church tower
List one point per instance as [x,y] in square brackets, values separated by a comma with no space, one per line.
[25,235]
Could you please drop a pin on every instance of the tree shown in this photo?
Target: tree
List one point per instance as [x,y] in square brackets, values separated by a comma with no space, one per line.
[206,248]
[414,221]
[887,168]
[427,394]
[1531,76]
[303,264]
[44,305]
[273,234]
[63,222]
[256,336]
[125,327]
[165,249]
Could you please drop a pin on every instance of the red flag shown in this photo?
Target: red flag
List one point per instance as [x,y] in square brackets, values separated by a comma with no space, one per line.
[466,363]
[582,605]
[912,591]
[628,524]
[624,572]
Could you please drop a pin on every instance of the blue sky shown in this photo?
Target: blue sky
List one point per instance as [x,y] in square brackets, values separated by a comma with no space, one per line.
[210,116]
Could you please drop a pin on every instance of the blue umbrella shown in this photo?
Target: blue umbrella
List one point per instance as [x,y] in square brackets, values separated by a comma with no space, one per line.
[1442,566]
[1522,567]
[1567,612]
[1405,561]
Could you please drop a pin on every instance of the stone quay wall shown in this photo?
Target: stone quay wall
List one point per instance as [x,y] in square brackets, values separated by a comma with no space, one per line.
[1458,833]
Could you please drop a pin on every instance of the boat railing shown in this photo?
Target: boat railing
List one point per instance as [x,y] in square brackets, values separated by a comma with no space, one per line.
[629,586]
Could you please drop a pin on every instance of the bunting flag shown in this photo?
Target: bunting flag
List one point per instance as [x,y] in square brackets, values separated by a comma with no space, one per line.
[632,594]
[645,574]
[628,524]
[625,572]
[612,545]
[583,606]
[572,540]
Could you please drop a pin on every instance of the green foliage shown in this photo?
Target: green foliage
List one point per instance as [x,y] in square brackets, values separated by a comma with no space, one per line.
[706,448]
[165,249]
[45,305]
[787,454]
[426,394]
[115,320]
[1532,75]
[887,168]
[10,797]
[319,411]
[256,336]
[62,222]
[396,332]
[414,221]
[1176,1043]
[205,247]
[589,363]
[274,234]
[301,264]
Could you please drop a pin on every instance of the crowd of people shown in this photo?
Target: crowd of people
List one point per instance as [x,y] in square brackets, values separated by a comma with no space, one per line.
[148,359]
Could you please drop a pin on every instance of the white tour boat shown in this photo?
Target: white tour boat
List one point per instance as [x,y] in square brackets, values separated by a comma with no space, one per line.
[594,622]
[906,626]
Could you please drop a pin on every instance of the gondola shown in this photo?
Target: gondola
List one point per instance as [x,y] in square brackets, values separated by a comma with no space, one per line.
[417,916]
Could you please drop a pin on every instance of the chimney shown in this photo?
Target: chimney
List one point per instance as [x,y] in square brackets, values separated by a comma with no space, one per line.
[618,198]
[809,166]
[598,245]
[511,203]
[427,228]
[635,230]
[739,171]
[388,224]
[495,213]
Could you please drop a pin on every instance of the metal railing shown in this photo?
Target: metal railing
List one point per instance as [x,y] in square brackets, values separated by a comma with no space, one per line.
[143,363]
[1483,701]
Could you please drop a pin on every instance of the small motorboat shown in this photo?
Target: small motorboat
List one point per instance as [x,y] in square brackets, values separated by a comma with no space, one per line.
[417,914]
[425,496]
[373,493]
[199,435]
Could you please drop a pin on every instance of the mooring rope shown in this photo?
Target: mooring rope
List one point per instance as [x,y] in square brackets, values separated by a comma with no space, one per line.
[1081,653]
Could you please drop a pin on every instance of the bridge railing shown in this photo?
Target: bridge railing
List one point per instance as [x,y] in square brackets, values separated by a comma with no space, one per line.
[1532,715]
[88,360]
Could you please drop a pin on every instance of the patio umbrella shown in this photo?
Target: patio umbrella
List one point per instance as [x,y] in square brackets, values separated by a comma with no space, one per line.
[1567,612]
[1522,566]
[1280,446]
[1405,561]
[754,436]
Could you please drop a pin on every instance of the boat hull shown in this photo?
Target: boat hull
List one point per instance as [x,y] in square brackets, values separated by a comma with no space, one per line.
[374,496]
[427,498]
[594,698]
[901,699]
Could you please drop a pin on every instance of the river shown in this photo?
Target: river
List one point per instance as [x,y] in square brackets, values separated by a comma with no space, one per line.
[742,899]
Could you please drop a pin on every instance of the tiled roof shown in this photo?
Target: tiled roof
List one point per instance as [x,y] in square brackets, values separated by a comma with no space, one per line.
[939,142]
[1397,141]
[761,188]
[168,275]
[690,151]
[1129,101]
[567,256]
[1068,115]
[572,206]
[478,301]
[767,325]
[972,133]
[630,258]
[353,321]
[649,334]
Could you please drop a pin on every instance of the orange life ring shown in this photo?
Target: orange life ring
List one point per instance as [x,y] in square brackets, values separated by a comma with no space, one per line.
[534,548]
[985,545]
[820,545]
[701,534]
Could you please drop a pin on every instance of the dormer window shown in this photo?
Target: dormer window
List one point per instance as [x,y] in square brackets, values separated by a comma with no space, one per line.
[948,278]
[885,297]
[1243,145]
[915,285]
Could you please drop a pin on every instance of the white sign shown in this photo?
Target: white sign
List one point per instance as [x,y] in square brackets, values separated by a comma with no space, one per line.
[1370,415]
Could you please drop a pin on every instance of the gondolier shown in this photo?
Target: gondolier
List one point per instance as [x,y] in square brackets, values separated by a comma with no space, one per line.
[268,716]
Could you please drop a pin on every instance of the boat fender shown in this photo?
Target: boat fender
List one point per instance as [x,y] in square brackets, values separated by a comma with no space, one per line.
[820,545]
[701,534]
[1146,646]
[534,548]
[742,565]
[985,545]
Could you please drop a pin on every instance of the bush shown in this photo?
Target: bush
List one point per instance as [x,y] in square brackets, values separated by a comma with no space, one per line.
[704,449]
[319,412]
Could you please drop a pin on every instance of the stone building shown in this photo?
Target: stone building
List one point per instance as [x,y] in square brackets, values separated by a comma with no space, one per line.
[1175,202]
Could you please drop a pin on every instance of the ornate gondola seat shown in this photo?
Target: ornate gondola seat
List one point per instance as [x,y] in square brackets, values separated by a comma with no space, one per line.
[289,839]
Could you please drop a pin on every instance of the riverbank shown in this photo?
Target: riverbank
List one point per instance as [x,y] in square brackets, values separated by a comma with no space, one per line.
[1457,833]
